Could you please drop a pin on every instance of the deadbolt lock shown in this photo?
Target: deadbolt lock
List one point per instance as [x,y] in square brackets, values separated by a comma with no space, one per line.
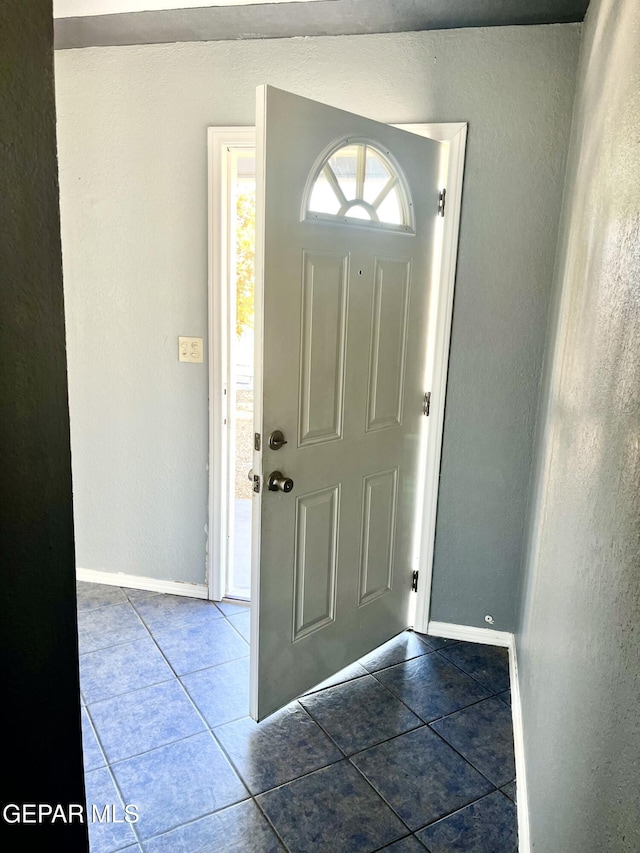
[277,440]
[277,482]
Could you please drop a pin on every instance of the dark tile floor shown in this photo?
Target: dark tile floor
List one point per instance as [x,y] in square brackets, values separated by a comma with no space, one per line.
[410,749]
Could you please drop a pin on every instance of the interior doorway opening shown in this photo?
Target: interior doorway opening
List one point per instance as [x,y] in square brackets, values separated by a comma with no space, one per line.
[241,315]
[232,227]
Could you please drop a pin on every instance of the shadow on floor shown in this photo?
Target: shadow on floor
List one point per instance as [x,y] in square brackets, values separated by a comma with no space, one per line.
[409,749]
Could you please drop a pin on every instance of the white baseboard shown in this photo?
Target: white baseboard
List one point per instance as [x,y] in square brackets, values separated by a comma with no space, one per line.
[191,590]
[469,634]
[507,640]
[524,837]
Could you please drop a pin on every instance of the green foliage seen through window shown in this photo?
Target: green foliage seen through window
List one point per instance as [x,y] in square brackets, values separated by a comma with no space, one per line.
[245,260]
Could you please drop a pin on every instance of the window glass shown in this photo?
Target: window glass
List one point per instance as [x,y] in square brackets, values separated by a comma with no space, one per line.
[344,165]
[323,198]
[357,181]
[377,175]
[359,212]
[390,210]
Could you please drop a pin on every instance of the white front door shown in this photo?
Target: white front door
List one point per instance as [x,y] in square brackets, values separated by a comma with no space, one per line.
[346,212]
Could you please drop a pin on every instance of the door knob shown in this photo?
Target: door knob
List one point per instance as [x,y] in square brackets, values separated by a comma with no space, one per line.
[277,439]
[277,482]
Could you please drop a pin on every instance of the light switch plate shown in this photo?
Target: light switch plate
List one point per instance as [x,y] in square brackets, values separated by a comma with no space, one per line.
[190,349]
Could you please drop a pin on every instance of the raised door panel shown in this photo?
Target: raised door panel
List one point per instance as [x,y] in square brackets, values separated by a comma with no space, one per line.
[315,561]
[322,351]
[389,318]
[379,502]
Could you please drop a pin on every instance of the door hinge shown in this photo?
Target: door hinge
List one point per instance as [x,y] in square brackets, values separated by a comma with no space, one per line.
[426,404]
[256,483]
[414,582]
[442,200]
[256,441]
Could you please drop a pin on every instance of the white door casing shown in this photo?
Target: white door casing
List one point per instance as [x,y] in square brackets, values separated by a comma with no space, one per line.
[223,144]
[340,369]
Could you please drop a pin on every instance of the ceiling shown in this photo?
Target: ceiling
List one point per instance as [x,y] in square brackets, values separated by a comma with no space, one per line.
[88,23]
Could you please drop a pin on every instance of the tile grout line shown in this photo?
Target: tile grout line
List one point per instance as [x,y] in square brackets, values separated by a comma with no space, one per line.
[397,841]
[475,678]
[442,717]
[122,800]
[326,766]
[252,796]
[272,826]
[237,630]
[175,677]
[166,659]
[323,730]
[435,731]
[130,642]
[217,742]
[195,820]
[344,756]
[421,724]
[116,643]
[425,725]
[288,781]
[478,702]
[441,817]
[462,808]
[129,692]
[101,747]
[191,701]
[444,740]
[80,610]
[446,660]
[428,725]
[191,821]
[426,722]
[347,758]
[313,691]
[112,775]
[378,794]
[98,741]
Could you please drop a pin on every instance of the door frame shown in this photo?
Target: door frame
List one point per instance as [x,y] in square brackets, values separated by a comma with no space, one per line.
[219,142]
[453,135]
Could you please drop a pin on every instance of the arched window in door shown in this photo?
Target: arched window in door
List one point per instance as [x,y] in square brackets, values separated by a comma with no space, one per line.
[358,183]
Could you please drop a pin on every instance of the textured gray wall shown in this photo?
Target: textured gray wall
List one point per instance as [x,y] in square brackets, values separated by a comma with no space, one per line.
[579,644]
[132,144]
[41,745]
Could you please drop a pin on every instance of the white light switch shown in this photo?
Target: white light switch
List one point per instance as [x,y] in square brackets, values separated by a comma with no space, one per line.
[190,349]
